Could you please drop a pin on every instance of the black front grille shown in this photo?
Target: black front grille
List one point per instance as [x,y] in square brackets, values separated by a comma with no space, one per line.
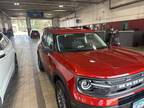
[126,80]
[115,87]
[131,98]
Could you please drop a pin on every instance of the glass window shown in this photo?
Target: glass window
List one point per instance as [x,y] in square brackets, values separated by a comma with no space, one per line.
[1,36]
[80,42]
[3,42]
[44,39]
[48,40]
[124,25]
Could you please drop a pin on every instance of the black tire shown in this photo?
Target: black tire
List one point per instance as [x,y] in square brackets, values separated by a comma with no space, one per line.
[16,64]
[40,65]
[0,103]
[61,95]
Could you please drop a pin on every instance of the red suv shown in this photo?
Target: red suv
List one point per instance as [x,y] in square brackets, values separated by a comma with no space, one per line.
[88,74]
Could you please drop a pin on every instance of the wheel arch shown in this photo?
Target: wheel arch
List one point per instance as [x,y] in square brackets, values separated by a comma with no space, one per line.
[58,77]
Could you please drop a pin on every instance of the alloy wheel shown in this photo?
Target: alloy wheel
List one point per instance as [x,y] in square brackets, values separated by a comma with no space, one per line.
[61,98]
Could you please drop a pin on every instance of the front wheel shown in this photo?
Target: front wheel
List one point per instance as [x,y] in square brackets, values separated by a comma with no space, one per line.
[40,65]
[61,96]
[16,64]
[0,103]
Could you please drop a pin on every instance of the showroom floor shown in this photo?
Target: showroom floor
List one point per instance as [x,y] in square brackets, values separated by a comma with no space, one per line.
[29,88]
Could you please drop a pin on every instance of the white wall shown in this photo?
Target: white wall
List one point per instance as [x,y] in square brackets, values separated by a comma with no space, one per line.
[68,21]
[55,22]
[5,22]
[101,13]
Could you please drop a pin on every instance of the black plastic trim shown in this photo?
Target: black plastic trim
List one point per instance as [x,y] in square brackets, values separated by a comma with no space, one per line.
[131,98]
[113,95]
[2,56]
[0,103]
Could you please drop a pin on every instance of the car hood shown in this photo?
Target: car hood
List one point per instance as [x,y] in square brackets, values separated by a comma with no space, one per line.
[106,63]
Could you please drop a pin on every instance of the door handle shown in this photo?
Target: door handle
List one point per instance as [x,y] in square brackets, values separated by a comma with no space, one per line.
[1,56]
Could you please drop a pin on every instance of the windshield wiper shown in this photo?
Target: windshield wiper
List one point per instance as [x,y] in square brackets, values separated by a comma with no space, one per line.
[78,50]
[86,50]
[103,47]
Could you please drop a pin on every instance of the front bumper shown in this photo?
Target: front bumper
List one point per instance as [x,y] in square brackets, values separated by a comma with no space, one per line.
[79,105]
[125,102]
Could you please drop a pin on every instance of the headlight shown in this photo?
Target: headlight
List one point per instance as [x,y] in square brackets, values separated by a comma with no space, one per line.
[85,84]
[93,87]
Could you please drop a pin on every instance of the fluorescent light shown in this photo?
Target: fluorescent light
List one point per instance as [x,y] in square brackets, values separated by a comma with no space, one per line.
[49,14]
[60,10]
[61,6]
[16,4]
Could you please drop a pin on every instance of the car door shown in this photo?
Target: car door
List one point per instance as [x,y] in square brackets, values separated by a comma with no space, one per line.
[47,50]
[42,50]
[6,63]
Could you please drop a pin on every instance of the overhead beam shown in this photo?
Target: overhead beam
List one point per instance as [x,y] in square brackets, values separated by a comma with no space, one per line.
[78,1]
[34,3]
[122,5]
[3,12]
[52,2]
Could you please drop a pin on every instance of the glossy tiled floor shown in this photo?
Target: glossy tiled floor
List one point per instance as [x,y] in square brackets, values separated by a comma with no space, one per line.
[29,88]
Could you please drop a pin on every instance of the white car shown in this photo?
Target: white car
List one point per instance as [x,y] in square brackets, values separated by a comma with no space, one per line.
[8,64]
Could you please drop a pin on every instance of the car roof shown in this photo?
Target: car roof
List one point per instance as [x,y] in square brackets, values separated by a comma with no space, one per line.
[62,31]
[34,30]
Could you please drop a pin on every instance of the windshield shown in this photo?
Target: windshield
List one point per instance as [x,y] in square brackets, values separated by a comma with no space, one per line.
[80,42]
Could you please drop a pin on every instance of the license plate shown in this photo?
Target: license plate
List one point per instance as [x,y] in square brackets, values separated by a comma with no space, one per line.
[139,104]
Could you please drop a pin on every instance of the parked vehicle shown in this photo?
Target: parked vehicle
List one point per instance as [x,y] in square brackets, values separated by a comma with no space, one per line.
[34,34]
[8,64]
[89,74]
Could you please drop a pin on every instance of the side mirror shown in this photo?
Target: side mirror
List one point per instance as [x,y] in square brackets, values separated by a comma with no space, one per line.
[2,54]
[48,50]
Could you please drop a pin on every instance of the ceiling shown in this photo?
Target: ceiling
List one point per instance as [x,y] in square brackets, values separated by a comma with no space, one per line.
[51,8]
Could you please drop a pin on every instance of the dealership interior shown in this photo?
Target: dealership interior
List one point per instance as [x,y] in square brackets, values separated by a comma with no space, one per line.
[25,22]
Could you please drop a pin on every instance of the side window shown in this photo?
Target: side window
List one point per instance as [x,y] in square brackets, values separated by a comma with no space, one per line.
[48,40]
[1,36]
[3,42]
[44,39]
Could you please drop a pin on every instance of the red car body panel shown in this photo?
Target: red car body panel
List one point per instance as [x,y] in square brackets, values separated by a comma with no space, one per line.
[105,63]
[68,31]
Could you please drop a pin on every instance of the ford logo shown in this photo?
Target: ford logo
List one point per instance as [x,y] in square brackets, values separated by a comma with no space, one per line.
[128,79]
[131,83]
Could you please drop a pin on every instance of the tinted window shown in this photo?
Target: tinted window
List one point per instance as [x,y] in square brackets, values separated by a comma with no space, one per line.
[1,36]
[80,42]
[35,32]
